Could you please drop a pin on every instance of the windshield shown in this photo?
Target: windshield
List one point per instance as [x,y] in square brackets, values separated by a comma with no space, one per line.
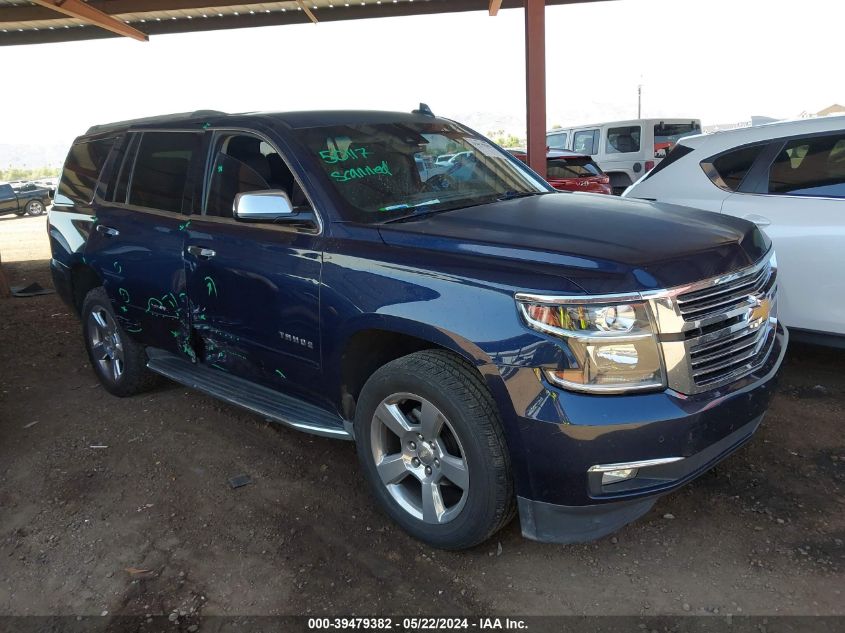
[389,171]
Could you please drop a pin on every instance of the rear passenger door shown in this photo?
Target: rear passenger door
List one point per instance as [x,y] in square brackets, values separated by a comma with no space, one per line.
[797,196]
[254,288]
[139,235]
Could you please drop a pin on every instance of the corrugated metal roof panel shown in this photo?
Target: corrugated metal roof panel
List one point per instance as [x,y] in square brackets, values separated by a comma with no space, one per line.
[23,22]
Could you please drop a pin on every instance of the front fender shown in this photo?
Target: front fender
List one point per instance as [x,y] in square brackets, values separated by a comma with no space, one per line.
[458,304]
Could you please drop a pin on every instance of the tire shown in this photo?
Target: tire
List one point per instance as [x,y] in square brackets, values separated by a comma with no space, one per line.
[456,489]
[34,207]
[119,362]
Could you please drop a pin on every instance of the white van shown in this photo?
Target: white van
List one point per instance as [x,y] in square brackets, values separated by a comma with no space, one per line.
[624,149]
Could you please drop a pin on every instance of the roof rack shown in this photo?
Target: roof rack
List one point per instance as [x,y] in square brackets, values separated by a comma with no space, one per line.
[165,118]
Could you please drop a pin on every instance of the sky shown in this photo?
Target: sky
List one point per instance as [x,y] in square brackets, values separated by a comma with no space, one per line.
[718,60]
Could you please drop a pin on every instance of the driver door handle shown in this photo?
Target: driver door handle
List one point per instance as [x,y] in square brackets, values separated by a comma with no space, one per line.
[202,253]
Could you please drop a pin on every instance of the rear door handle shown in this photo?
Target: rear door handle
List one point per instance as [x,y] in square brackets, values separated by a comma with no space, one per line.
[107,230]
[759,220]
[203,253]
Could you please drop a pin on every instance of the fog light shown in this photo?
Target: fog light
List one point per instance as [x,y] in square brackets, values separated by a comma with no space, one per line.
[615,476]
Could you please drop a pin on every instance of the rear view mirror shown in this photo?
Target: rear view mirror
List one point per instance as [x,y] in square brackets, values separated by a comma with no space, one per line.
[263,206]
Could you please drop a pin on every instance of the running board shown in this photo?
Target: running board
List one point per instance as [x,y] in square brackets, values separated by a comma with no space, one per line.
[271,404]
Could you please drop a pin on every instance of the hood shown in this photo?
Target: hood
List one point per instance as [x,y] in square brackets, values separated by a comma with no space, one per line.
[601,243]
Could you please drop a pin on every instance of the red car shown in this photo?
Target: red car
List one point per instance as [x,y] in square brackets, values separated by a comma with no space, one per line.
[568,171]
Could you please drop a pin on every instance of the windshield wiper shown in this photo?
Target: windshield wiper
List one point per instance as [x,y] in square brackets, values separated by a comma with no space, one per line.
[513,195]
[423,212]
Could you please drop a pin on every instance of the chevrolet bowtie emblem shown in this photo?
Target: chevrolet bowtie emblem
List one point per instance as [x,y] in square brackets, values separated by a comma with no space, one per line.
[761,309]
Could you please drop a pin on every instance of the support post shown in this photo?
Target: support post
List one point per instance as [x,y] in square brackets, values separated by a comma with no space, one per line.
[535,83]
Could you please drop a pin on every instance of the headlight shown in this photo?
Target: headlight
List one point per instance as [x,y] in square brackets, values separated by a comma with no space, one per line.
[614,344]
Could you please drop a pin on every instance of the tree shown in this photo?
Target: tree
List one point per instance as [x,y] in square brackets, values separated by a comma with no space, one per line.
[505,140]
[18,173]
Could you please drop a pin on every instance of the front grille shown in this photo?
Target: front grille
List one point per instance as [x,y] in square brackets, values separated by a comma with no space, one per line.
[721,298]
[731,326]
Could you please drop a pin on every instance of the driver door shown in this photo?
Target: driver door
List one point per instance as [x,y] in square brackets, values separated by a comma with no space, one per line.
[254,289]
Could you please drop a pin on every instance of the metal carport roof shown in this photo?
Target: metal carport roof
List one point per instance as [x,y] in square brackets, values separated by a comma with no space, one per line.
[44,21]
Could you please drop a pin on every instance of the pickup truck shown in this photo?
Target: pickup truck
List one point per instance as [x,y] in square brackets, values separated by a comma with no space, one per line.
[28,199]
[492,346]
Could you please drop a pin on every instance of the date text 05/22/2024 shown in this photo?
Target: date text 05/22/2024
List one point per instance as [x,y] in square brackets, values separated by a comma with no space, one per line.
[417,624]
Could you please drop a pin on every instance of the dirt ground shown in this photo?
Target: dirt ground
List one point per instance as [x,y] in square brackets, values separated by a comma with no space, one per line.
[122,506]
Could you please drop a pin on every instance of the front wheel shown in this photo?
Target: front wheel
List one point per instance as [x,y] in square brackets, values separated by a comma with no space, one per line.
[35,207]
[431,443]
[119,362]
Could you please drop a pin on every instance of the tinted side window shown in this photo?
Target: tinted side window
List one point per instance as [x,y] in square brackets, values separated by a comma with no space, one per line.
[122,168]
[161,170]
[810,167]
[6,191]
[623,140]
[585,142]
[556,140]
[245,163]
[82,170]
[728,170]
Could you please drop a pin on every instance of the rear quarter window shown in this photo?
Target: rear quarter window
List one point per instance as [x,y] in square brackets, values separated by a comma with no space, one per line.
[623,140]
[728,170]
[82,171]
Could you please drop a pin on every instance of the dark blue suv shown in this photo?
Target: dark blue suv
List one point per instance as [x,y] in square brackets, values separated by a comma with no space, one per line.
[491,345]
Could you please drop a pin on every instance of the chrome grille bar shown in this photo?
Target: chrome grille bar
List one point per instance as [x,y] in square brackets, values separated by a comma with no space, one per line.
[715,331]
[719,299]
[745,305]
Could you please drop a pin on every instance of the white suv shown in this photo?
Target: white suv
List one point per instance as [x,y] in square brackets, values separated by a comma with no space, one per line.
[788,178]
[625,150]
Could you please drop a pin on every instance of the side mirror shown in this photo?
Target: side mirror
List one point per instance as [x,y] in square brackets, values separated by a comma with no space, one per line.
[263,206]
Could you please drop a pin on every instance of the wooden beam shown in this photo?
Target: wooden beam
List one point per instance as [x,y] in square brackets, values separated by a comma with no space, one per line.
[495,5]
[85,12]
[307,11]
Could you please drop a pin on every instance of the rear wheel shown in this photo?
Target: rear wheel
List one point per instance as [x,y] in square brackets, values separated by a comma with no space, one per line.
[35,207]
[119,362]
[431,444]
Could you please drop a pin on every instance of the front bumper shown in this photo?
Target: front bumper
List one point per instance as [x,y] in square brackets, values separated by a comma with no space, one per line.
[560,435]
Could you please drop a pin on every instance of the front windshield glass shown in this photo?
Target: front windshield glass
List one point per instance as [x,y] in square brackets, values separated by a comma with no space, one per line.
[390,171]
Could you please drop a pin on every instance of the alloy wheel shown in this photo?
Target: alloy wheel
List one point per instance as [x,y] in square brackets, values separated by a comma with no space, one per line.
[419,458]
[106,344]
